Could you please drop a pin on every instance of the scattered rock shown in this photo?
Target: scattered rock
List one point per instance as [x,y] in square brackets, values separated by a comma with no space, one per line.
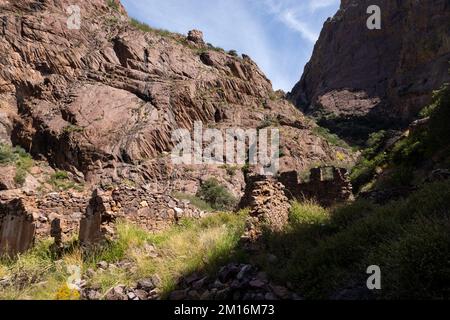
[146,284]
[236,282]
[177,295]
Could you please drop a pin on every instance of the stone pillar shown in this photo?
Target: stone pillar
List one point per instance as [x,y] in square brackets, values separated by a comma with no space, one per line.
[97,213]
[17,228]
[269,209]
[56,234]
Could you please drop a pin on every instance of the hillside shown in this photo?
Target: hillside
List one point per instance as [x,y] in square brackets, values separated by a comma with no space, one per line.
[360,81]
[93,206]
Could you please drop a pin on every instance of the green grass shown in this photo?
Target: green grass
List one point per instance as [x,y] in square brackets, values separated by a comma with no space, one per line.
[147,28]
[408,239]
[37,274]
[61,181]
[307,213]
[194,245]
[19,158]
[330,137]
[195,201]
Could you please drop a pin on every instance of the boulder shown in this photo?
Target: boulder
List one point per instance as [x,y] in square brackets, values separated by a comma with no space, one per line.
[7,174]
[195,36]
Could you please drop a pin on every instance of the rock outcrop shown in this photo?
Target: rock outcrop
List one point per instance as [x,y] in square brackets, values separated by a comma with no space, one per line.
[103,101]
[196,36]
[360,80]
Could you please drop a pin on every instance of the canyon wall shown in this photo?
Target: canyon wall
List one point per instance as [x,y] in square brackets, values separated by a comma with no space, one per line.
[360,80]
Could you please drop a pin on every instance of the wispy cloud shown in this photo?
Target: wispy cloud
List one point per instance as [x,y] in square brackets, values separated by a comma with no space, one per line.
[293,22]
[297,15]
[277,34]
[321,4]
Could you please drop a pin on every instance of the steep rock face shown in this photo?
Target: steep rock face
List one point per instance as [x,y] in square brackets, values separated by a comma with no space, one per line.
[361,77]
[103,101]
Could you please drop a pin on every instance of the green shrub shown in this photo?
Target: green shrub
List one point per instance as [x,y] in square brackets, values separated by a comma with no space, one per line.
[365,170]
[345,215]
[231,170]
[19,158]
[112,4]
[417,265]
[407,238]
[269,121]
[330,137]
[401,177]
[434,139]
[195,201]
[233,53]
[216,195]
[440,118]
[61,181]
[375,144]
[20,176]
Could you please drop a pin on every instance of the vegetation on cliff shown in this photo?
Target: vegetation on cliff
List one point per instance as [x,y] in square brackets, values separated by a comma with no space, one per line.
[420,151]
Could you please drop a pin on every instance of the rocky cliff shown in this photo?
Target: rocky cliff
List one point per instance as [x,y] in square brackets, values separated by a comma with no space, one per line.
[360,80]
[101,103]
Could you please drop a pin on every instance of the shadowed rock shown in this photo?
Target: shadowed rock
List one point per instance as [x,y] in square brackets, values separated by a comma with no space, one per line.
[17,227]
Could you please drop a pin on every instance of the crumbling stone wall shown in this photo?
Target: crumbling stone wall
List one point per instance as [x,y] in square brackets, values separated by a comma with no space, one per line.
[326,185]
[150,211]
[17,228]
[269,208]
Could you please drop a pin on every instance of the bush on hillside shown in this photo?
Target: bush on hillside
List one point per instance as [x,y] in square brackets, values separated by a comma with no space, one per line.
[407,238]
[19,158]
[216,195]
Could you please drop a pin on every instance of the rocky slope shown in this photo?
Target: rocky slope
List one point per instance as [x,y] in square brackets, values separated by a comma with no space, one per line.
[101,103]
[360,80]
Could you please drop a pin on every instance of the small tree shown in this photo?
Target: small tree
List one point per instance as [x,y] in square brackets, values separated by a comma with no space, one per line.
[233,53]
[216,195]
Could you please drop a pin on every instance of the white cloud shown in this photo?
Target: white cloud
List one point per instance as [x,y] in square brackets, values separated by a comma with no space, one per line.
[290,19]
[277,34]
[299,16]
[315,5]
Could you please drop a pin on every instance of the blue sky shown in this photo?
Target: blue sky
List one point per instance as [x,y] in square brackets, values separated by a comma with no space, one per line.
[278,34]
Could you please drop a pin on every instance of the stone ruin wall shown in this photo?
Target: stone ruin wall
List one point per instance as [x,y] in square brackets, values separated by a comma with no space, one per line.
[269,208]
[62,215]
[17,227]
[327,186]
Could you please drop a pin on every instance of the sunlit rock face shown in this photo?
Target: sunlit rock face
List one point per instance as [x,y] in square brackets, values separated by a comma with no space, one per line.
[103,101]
